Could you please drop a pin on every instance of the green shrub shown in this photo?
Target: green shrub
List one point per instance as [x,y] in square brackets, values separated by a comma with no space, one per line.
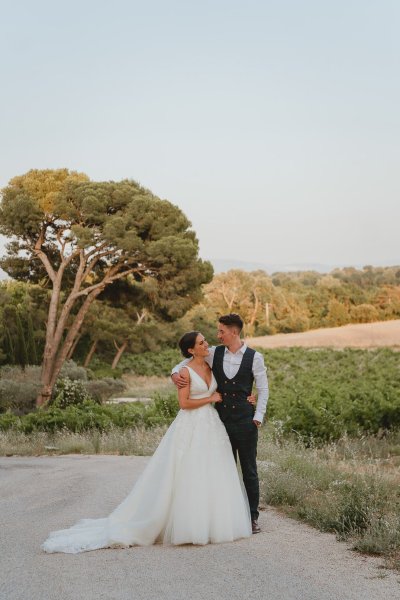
[90,415]
[31,373]
[103,389]
[68,393]
[70,370]
[322,394]
[76,418]
[151,363]
[99,370]
[164,409]
[17,395]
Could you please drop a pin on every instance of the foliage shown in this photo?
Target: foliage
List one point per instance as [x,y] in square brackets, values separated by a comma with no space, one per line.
[352,497]
[70,370]
[316,394]
[79,238]
[85,416]
[17,396]
[283,302]
[151,363]
[164,409]
[298,301]
[103,389]
[69,393]
[22,314]
[321,394]
[88,415]
[19,387]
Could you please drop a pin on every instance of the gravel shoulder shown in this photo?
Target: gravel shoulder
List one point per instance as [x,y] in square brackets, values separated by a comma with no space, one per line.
[287,561]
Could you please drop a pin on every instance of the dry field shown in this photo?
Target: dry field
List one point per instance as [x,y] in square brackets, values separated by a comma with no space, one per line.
[363,335]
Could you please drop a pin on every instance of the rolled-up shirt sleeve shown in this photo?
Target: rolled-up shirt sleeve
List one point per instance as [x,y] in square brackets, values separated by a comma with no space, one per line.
[261,381]
[182,364]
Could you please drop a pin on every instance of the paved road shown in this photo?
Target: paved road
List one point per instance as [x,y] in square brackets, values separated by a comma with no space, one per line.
[287,561]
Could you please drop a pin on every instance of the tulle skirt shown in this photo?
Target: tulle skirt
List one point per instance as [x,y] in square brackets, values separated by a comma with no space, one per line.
[188,493]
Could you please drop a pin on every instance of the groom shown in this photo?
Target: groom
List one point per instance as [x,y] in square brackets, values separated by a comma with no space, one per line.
[236,367]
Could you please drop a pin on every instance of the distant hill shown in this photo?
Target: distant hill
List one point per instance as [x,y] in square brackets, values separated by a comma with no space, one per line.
[221,265]
[361,335]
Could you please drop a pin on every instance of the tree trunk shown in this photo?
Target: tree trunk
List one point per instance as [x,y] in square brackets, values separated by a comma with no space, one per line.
[90,353]
[56,349]
[120,352]
[56,353]
[74,345]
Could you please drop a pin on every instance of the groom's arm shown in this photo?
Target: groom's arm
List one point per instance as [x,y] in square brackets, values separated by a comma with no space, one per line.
[177,379]
[261,381]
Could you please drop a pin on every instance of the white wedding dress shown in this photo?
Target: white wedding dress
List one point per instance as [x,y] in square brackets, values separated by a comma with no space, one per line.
[188,493]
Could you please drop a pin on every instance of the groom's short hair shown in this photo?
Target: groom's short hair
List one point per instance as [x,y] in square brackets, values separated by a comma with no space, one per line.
[232,320]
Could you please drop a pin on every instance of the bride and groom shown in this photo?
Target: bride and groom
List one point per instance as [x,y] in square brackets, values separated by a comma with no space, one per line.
[190,491]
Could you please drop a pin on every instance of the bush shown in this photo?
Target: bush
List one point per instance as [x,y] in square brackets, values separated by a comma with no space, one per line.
[164,409]
[103,389]
[19,387]
[322,394]
[99,370]
[70,370]
[69,393]
[151,363]
[31,373]
[17,395]
[76,418]
[90,415]
[364,313]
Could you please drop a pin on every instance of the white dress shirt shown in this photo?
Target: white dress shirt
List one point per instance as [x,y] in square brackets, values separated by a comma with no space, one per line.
[231,364]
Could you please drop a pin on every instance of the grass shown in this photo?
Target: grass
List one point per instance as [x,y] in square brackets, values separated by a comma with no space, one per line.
[350,488]
[136,441]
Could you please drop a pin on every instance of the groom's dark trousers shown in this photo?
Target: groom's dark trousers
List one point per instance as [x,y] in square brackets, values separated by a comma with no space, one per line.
[237,414]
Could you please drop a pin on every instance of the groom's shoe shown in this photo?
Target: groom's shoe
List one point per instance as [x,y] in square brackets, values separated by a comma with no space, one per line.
[255,526]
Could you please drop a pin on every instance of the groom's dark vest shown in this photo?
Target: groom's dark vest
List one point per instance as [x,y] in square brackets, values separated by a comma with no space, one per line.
[234,406]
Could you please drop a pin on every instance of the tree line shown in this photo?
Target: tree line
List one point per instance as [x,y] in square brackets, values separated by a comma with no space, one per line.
[299,301]
[118,324]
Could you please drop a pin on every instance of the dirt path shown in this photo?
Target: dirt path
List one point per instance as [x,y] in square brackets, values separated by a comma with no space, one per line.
[363,335]
[287,561]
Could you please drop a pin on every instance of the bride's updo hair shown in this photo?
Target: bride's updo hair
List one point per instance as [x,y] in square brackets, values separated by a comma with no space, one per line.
[188,340]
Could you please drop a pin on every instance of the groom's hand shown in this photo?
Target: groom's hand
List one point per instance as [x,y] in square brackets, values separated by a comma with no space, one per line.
[178,380]
[257,423]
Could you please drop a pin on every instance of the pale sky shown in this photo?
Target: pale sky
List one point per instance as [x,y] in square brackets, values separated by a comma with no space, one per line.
[274,125]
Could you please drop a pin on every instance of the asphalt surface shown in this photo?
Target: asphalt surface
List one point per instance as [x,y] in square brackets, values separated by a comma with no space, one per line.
[287,561]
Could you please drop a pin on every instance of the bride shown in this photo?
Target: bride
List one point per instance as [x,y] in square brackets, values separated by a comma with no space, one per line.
[189,492]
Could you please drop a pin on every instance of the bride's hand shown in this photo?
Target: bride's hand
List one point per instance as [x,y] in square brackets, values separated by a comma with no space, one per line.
[252,399]
[216,397]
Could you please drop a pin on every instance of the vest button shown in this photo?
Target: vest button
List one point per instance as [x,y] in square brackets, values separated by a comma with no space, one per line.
[224,405]
[234,382]
[233,406]
[233,394]
[226,382]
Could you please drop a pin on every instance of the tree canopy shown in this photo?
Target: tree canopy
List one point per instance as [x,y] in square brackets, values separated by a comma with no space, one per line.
[79,236]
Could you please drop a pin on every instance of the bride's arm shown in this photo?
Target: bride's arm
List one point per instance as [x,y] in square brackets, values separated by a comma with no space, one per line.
[183,395]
